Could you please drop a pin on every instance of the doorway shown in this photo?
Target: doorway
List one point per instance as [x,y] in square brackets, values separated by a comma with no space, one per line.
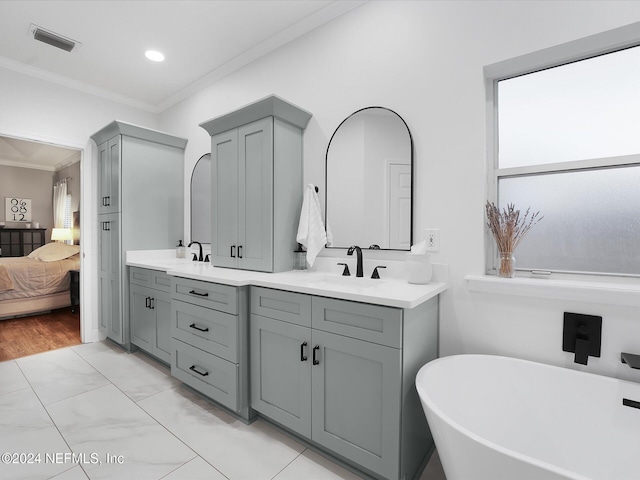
[25,157]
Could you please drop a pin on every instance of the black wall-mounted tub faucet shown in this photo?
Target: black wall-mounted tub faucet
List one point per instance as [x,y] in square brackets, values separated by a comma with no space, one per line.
[582,334]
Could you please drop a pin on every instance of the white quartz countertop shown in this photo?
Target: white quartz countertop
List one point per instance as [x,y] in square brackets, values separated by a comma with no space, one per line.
[393,292]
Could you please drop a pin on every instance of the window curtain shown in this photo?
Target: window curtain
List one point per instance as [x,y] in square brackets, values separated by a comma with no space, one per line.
[59,204]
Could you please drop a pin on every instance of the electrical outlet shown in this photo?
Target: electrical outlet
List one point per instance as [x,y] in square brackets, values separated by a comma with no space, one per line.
[432,236]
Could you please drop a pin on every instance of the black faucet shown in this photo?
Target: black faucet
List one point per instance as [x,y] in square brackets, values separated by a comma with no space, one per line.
[200,259]
[359,259]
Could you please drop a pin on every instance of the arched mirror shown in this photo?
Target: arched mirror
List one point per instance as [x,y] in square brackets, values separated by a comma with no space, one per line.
[369,181]
[201,200]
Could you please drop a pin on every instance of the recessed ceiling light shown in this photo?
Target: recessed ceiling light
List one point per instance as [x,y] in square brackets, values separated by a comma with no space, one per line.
[154,55]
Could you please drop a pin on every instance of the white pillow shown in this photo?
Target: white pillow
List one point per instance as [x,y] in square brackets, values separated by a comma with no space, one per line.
[54,251]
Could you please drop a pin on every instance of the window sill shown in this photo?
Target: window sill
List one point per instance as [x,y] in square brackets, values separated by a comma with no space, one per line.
[608,293]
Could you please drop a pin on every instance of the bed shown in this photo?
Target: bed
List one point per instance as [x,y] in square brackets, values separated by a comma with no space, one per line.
[39,281]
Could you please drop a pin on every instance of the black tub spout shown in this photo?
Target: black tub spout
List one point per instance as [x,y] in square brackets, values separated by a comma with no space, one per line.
[630,359]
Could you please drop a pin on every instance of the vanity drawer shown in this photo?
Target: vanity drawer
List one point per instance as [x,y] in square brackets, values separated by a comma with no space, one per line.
[287,306]
[209,295]
[208,374]
[210,330]
[371,323]
[147,277]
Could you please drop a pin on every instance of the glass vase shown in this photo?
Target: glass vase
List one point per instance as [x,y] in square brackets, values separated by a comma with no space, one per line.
[507,268]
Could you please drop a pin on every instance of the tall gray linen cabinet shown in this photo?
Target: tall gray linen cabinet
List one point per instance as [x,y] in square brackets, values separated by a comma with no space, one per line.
[140,206]
[256,185]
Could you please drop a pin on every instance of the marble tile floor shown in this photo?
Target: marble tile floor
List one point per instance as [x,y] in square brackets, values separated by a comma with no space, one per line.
[94,411]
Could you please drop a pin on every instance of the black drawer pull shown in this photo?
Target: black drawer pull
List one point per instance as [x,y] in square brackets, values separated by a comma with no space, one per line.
[147,302]
[193,367]
[193,292]
[303,357]
[315,360]
[152,303]
[240,251]
[195,327]
[233,251]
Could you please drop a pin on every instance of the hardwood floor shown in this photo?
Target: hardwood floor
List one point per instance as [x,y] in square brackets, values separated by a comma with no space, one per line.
[24,336]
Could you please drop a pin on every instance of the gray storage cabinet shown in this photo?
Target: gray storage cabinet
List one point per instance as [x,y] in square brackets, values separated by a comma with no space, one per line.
[140,207]
[256,185]
[150,307]
[341,374]
[209,345]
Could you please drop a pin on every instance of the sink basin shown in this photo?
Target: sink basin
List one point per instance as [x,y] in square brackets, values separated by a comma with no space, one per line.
[352,282]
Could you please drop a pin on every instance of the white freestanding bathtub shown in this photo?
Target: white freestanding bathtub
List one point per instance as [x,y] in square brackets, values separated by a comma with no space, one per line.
[502,418]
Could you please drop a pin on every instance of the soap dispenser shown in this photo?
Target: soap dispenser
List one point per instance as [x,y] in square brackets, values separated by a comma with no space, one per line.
[181,250]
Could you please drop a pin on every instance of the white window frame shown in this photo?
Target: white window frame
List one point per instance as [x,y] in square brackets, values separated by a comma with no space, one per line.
[594,45]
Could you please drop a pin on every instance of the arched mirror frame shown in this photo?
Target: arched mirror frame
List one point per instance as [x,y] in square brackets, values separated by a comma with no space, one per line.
[196,217]
[326,179]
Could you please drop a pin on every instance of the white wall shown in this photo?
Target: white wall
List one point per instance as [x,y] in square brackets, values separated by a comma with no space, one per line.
[31,183]
[424,60]
[34,109]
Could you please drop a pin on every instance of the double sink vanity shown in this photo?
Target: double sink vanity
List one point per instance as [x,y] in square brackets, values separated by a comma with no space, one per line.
[331,359]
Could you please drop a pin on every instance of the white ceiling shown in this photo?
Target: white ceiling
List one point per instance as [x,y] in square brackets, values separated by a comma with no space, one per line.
[202,42]
[23,153]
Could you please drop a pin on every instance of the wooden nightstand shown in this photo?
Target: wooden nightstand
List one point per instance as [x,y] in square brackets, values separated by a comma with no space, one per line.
[75,289]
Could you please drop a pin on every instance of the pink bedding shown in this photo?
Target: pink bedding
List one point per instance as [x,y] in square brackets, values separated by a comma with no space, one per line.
[23,277]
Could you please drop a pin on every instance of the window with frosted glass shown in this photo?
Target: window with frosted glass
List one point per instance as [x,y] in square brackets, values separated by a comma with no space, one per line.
[569,146]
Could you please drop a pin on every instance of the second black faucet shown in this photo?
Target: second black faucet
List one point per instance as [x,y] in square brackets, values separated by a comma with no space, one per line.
[199,258]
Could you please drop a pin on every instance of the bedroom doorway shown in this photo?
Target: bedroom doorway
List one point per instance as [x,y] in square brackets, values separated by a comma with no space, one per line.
[29,170]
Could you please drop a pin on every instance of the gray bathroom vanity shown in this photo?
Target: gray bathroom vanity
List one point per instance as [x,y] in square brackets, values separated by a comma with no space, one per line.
[333,363]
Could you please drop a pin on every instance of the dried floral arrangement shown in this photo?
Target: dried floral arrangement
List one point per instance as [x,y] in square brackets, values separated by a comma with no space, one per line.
[508,227]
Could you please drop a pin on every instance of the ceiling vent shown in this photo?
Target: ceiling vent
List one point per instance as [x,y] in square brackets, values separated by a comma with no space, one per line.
[53,39]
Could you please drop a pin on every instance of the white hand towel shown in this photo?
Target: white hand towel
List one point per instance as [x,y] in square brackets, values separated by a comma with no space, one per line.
[311,232]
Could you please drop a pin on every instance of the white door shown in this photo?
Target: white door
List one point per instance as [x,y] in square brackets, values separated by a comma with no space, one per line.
[399,206]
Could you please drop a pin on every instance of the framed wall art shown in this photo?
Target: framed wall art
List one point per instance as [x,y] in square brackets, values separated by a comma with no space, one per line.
[17,209]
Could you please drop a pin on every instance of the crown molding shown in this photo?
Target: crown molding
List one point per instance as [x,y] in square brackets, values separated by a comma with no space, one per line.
[63,81]
[10,163]
[67,162]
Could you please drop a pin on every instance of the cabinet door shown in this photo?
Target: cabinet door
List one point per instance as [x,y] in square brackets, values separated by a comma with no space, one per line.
[162,307]
[11,243]
[143,317]
[224,197]
[109,171]
[104,179]
[255,227]
[356,388]
[281,372]
[111,315]
[115,148]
